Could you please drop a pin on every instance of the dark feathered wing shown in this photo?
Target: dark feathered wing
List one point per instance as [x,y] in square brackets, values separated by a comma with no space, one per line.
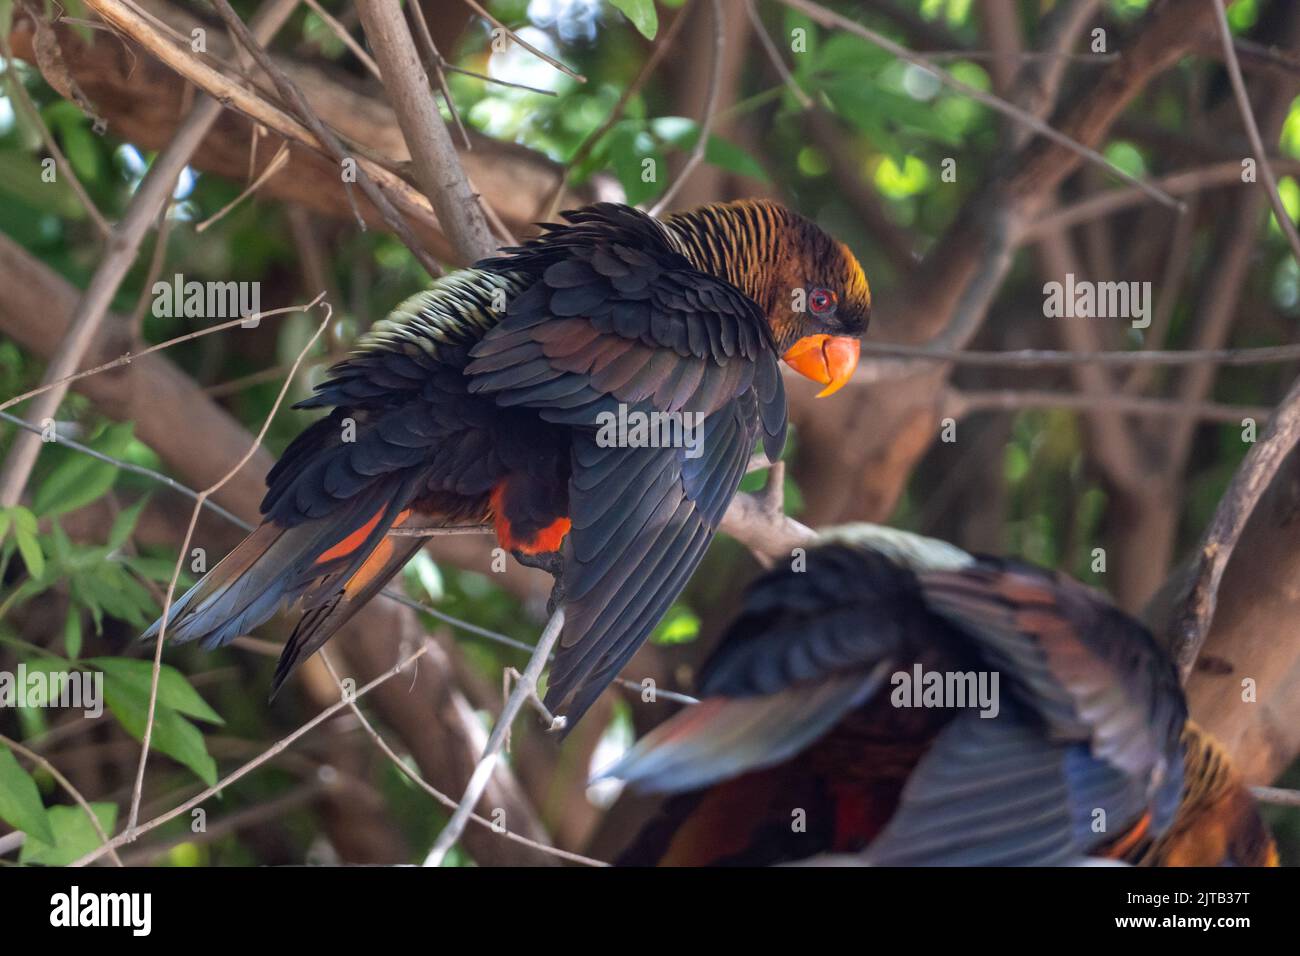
[619,318]
[1090,673]
[1085,744]
[810,646]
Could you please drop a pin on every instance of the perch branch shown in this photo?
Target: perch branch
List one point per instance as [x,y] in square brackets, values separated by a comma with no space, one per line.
[500,730]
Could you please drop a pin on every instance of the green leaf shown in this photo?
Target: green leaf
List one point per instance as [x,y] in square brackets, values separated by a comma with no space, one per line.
[23,519]
[173,735]
[642,13]
[845,55]
[5,520]
[124,524]
[87,600]
[174,690]
[75,481]
[20,800]
[74,835]
[72,632]
[629,147]
[679,626]
[118,593]
[423,569]
[18,171]
[30,549]
[156,569]
[725,155]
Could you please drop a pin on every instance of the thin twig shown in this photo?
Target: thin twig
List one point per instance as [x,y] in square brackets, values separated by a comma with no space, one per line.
[128,357]
[1050,358]
[349,41]
[260,109]
[437,794]
[1225,173]
[278,747]
[157,259]
[830,18]
[433,61]
[19,93]
[150,198]
[774,54]
[710,110]
[453,68]
[545,57]
[294,98]
[960,404]
[1252,131]
[1024,56]
[478,781]
[326,779]
[130,466]
[1278,796]
[277,163]
[138,790]
[72,791]
[661,48]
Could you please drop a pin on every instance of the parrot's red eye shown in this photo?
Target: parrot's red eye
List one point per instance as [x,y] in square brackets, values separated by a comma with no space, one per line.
[822,301]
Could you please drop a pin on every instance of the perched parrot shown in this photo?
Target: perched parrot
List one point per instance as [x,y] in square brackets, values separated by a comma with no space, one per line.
[821,732]
[483,400]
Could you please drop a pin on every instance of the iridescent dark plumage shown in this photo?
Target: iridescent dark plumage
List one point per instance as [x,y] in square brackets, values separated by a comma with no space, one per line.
[479,400]
[1089,752]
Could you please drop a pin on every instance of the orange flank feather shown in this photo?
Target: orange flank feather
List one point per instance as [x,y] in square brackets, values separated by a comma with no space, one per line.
[543,541]
[352,541]
[548,539]
[377,561]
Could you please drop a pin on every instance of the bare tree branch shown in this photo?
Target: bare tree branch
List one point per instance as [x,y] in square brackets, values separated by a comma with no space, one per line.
[959,404]
[437,794]
[149,199]
[19,93]
[500,731]
[1050,358]
[298,103]
[437,167]
[1190,627]
[72,791]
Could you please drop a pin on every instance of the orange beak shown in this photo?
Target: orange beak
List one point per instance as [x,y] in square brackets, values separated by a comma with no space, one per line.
[827,359]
